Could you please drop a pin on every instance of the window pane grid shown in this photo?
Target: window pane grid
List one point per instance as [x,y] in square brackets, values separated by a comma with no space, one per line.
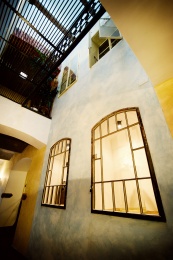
[118,130]
[120,194]
[69,74]
[114,208]
[54,193]
[134,166]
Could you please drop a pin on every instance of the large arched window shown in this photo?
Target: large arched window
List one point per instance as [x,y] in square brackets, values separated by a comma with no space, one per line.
[55,188]
[123,180]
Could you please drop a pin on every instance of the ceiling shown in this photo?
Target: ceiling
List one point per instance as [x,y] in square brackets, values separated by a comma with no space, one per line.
[9,146]
[35,37]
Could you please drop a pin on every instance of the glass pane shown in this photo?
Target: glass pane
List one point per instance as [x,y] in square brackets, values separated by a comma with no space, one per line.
[64,146]
[49,196]
[72,78]
[97,133]
[53,195]
[132,197]
[141,163]
[112,124]
[117,157]
[104,128]
[98,196]
[147,196]
[132,117]
[56,149]
[121,121]
[97,149]
[45,195]
[108,202]
[53,151]
[56,194]
[66,159]
[63,87]
[65,73]
[103,49]
[60,195]
[48,178]
[136,136]
[60,147]
[51,163]
[57,170]
[119,197]
[65,175]
[68,145]
[97,170]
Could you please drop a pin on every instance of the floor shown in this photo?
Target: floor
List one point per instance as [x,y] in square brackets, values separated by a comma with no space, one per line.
[7,252]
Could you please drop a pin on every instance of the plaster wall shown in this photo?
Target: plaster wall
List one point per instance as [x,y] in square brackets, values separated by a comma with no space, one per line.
[24,224]
[164,92]
[23,124]
[116,81]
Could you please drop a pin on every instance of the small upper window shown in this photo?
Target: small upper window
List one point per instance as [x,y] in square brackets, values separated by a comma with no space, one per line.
[69,75]
[55,188]
[123,179]
[104,40]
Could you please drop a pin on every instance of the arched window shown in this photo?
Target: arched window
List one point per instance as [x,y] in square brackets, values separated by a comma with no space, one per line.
[55,188]
[123,180]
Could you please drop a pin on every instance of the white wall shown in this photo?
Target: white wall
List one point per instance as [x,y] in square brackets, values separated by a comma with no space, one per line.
[116,81]
[23,124]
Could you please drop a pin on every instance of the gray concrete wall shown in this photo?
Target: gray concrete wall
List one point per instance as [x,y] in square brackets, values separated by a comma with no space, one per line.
[116,81]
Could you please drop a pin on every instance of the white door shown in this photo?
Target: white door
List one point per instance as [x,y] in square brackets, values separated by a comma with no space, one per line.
[9,206]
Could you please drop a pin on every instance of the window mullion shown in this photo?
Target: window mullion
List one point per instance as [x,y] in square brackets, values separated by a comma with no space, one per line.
[113,196]
[110,44]
[101,160]
[125,196]
[134,166]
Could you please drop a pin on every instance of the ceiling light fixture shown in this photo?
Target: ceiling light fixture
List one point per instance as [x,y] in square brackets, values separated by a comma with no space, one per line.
[119,123]
[23,75]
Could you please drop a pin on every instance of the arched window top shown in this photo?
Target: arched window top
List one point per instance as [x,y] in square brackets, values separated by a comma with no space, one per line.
[123,179]
[60,146]
[116,121]
[55,188]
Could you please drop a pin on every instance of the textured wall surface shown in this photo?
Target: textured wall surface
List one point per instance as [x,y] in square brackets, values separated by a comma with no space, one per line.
[116,81]
[22,123]
[24,224]
[165,95]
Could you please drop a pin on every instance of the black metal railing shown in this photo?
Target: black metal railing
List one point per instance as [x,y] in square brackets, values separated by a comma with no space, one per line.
[35,38]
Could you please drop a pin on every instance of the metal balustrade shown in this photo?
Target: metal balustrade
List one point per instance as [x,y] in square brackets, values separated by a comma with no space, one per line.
[35,38]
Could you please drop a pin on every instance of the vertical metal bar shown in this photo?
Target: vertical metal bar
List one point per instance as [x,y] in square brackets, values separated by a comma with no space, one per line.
[113,196]
[101,160]
[92,169]
[108,129]
[125,196]
[134,166]
[64,153]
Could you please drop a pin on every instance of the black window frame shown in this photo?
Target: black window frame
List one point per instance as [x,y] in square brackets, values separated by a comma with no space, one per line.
[57,193]
[161,216]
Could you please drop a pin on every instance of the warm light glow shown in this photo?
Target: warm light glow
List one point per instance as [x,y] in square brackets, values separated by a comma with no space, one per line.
[119,124]
[23,75]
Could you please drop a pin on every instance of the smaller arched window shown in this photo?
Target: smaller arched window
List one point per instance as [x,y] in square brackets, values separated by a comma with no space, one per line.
[55,188]
[123,179]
